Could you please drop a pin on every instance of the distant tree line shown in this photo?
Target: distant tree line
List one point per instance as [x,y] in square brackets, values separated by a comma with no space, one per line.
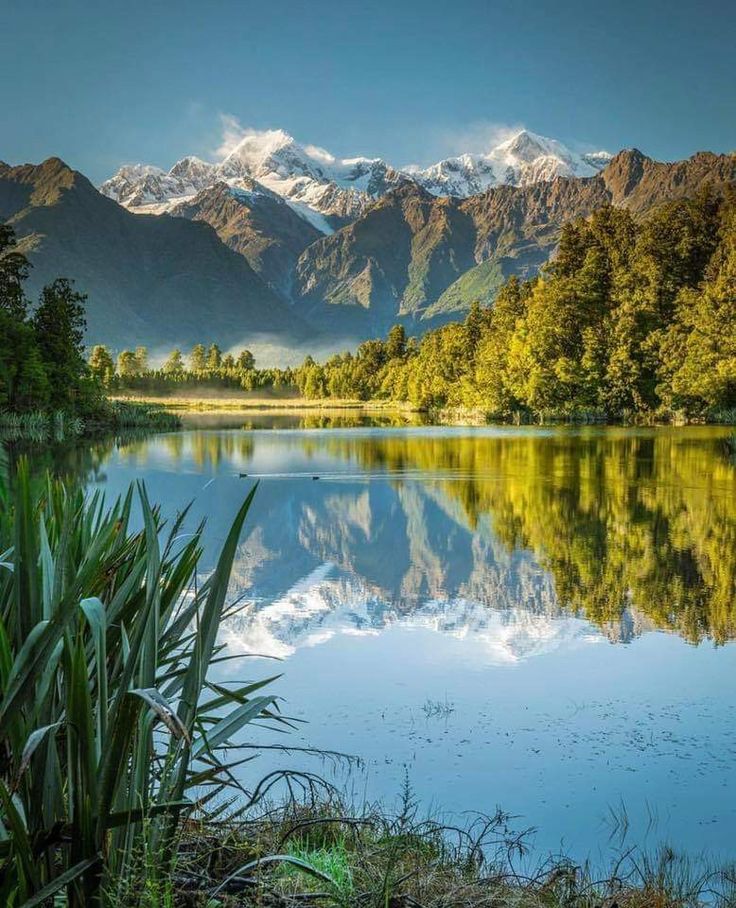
[42,363]
[202,368]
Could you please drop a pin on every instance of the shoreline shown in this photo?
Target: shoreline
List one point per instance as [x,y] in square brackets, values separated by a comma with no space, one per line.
[284,404]
[441,417]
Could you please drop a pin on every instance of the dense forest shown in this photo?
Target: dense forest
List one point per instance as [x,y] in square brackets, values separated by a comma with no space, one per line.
[631,318]
[42,364]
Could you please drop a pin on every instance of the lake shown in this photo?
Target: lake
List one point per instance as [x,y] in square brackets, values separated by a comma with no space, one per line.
[537,619]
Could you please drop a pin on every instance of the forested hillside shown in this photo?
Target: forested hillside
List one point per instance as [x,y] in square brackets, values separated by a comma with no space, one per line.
[631,317]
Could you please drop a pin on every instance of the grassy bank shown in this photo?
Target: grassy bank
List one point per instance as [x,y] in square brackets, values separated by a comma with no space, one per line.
[451,416]
[42,426]
[330,856]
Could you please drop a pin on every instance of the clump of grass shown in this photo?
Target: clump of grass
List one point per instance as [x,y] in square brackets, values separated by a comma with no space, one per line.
[433,709]
[39,426]
[327,854]
[725,416]
[316,867]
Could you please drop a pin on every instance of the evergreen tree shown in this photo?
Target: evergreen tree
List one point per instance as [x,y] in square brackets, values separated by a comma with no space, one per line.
[246,361]
[214,358]
[198,358]
[127,364]
[24,383]
[14,270]
[141,359]
[396,342]
[102,365]
[699,353]
[59,325]
[174,364]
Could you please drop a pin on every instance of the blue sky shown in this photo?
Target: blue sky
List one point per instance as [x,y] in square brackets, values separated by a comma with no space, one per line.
[102,83]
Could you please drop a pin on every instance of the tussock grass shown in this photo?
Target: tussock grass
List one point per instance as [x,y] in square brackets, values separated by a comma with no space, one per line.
[330,856]
[128,415]
[39,426]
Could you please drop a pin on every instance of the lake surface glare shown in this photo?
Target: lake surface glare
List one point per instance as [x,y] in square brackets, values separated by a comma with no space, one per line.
[536,619]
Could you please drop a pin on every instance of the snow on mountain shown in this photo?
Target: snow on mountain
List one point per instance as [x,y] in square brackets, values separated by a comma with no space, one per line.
[327,190]
[328,603]
[142,187]
[524,158]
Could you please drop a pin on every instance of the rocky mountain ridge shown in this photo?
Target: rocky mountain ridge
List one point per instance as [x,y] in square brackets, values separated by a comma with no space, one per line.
[424,259]
[149,280]
[237,258]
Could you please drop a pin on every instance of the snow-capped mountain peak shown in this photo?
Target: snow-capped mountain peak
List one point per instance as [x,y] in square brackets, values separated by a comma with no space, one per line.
[527,146]
[264,151]
[521,159]
[328,190]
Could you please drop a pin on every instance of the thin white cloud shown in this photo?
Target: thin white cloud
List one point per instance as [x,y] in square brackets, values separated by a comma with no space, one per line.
[232,135]
[478,137]
[320,154]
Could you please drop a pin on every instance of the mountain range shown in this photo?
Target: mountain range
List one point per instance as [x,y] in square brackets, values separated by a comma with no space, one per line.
[329,191]
[285,241]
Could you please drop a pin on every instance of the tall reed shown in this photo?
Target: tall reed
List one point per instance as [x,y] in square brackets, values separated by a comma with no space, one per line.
[108,723]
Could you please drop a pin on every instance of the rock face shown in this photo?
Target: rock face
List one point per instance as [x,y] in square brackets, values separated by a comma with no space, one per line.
[256,223]
[639,183]
[150,280]
[423,260]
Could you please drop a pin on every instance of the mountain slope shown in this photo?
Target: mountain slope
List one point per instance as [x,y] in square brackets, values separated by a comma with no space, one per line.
[150,280]
[421,259]
[402,251]
[256,223]
[637,182]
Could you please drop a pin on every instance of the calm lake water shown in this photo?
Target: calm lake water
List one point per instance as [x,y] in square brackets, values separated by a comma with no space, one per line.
[539,619]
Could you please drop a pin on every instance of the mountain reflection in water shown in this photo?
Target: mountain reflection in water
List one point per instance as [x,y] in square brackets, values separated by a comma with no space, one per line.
[629,528]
